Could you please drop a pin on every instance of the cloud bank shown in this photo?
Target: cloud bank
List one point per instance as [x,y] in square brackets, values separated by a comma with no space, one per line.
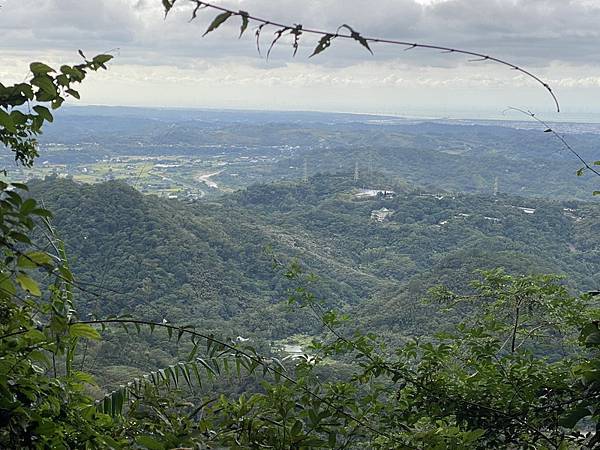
[556,38]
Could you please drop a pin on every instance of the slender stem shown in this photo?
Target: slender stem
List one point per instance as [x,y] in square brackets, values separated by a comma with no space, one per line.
[561,138]
[356,36]
[513,338]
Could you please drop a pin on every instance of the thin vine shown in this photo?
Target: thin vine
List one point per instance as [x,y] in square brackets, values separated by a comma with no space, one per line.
[343,32]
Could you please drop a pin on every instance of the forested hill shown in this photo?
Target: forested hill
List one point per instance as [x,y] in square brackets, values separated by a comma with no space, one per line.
[205,262]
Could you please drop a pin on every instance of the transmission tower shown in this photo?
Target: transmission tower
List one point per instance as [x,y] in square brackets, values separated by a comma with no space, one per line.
[305,176]
[496,187]
[356,171]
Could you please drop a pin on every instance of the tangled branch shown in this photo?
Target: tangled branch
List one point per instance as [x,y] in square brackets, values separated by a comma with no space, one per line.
[343,32]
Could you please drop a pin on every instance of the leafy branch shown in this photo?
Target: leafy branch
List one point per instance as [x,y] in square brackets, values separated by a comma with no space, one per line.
[22,110]
[243,356]
[343,32]
[404,372]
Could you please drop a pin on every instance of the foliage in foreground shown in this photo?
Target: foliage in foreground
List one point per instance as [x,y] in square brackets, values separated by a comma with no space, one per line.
[485,385]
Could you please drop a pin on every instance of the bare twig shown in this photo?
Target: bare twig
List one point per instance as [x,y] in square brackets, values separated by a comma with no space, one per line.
[549,129]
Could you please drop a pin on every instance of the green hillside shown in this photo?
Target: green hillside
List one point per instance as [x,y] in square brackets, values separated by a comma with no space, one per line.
[206,262]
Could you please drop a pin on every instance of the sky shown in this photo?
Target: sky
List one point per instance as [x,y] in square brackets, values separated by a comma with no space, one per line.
[167,62]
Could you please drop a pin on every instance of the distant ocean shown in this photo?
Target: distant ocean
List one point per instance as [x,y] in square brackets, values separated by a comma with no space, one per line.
[569,122]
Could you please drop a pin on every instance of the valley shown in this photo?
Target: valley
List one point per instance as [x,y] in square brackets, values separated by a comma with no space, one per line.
[209,263]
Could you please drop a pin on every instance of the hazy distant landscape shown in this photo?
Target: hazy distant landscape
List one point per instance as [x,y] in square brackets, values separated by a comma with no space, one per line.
[189,154]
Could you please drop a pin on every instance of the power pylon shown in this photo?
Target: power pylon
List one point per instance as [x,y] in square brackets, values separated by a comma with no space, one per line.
[305,176]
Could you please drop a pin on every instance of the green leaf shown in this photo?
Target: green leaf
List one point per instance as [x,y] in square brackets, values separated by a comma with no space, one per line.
[73,72]
[85,378]
[62,80]
[580,171]
[18,117]
[28,284]
[204,364]
[296,428]
[35,336]
[7,122]
[45,84]
[186,374]
[42,213]
[331,440]
[26,90]
[149,442]
[571,419]
[245,21]
[41,258]
[83,330]
[73,93]
[102,59]
[57,102]
[21,186]
[20,237]
[217,22]
[38,67]
[28,206]
[34,260]
[118,399]
[44,113]
[197,374]
[593,338]
[596,193]
[193,353]
[7,286]
[174,371]
[66,274]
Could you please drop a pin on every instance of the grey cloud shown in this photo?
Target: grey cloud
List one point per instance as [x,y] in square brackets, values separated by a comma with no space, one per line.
[533,32]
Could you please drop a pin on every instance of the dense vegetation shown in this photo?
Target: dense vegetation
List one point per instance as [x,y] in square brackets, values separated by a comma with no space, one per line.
[514,362]
[137,241]
[208,260]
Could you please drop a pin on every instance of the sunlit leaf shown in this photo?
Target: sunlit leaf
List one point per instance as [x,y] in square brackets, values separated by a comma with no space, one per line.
[28,284]
[84,330]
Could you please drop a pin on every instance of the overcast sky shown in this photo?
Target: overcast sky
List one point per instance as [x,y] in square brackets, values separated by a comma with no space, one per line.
[167,62]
